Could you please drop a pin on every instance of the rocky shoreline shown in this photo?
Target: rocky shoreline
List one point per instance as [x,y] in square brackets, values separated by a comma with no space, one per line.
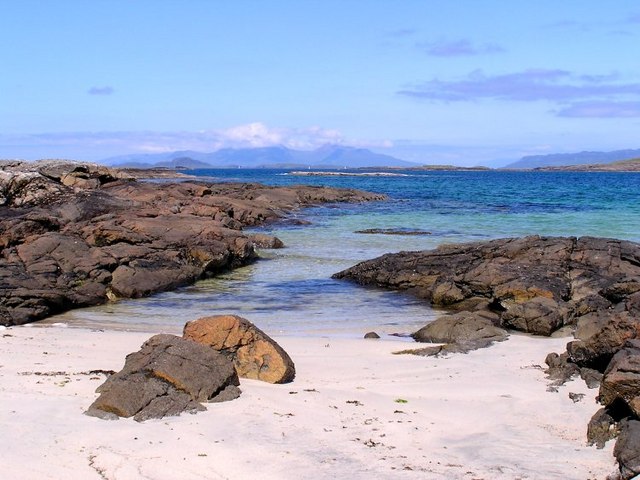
[588,287]
[79,234]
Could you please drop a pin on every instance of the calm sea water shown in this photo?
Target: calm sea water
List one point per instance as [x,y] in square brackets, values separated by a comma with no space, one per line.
[290,291]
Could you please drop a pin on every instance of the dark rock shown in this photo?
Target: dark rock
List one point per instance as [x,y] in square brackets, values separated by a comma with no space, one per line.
[538,285]
[169,375]
[447,294]
[372,335]
[602,428]
[598,349]
[78,234]
[591,323]
[261,240]
[627,449]
[535,284]
[433,351]
[576,397]
[463,327]
[170,404]
[560,369]
[621,380]
[459,333]
[296,222]
[254,354]
[539,316]
[32,183]
[593,378]
[446,349]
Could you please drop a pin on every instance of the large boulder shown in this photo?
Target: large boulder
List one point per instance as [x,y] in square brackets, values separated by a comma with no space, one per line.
[254,353]
[462,328]
[169,375]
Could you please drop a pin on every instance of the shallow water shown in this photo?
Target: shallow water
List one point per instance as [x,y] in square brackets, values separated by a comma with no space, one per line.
[290,291]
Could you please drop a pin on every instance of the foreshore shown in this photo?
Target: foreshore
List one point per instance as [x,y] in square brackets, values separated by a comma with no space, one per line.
[354,411]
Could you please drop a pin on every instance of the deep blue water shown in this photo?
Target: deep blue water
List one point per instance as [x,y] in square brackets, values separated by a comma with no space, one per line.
[290,291]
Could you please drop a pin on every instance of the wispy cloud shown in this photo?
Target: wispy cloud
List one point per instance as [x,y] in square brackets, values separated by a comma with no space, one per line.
[559,86]
[572,25]
[258,134]
[98,145]
[619,26]
[458,48]
[101,90]
[602,109]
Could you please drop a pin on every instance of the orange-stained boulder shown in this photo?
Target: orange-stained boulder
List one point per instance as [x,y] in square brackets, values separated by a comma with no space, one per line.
[253,352]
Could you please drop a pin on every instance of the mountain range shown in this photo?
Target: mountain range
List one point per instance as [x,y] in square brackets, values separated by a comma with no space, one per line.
[566,159]
[337,157]
[327,156]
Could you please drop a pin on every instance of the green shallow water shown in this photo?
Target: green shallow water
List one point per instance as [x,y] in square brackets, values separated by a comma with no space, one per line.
[290,292]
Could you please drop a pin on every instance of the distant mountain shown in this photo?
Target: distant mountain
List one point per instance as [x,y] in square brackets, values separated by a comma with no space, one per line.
[632,165]
[327,156]
[182,162]
[565,159]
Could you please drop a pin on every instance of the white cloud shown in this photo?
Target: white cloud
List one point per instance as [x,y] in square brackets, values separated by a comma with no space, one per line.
[253,135]
[99,145]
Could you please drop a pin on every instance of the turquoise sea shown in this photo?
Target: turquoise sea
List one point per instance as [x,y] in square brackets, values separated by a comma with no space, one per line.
[290,291]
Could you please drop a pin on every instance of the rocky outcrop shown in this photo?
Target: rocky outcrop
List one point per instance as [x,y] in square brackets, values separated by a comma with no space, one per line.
[78,234]
[537,285]
[465,329]
[534,284]
[168,376]
[254,354]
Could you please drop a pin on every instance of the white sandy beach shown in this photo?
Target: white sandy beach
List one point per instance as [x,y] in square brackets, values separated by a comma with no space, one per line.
[354,411]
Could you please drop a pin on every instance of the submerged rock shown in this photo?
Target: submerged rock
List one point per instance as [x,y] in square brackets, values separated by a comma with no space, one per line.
[254,354]
[167,376]
[392,231]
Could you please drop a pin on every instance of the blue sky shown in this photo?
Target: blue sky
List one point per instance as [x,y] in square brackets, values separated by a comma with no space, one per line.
[464,82]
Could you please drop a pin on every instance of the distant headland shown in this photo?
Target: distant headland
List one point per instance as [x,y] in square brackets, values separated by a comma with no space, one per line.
[339,157]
